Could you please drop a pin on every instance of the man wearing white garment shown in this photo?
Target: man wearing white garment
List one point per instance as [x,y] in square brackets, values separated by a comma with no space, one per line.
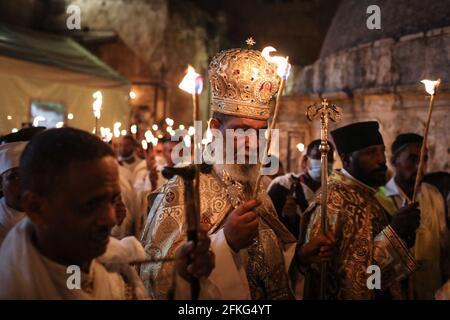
[63,249]
[10,207]
[11,147]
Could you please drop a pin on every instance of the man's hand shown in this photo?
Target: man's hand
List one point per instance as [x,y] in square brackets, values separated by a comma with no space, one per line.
[195,261]
[241,227]
[405,223]
[318,249]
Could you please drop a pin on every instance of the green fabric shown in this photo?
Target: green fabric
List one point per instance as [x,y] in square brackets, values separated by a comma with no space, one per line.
[387,202]
[53,50]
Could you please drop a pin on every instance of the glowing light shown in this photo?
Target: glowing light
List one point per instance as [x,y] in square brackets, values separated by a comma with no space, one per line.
[169,122]
[191,131]
[144,144]
[181,127]
[37,119]
[14,130]
[106,134]
[208,137]
[9,117]
[154,141]
[97,104]
[116,129]
[133,95]
[124,132]
[70,116]
[431,85]
[160,136]
[283,67]
[192,82]
[301,147]
[187,141]
[148,136]
[59,124]
[154,127]
[133,129]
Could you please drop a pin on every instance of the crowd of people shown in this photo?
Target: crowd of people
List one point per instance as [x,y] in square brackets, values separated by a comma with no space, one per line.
[69,201]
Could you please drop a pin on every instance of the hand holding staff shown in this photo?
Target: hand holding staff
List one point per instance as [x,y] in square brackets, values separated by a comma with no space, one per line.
[332,112]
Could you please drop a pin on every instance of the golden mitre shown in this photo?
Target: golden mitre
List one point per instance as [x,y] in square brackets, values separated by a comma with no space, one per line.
[243,83]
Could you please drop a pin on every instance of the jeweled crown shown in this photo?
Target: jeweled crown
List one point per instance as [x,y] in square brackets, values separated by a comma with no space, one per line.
[243,83]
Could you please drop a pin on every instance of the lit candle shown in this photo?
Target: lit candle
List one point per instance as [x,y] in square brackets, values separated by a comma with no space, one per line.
[431,88]
[97,107]
[283,69]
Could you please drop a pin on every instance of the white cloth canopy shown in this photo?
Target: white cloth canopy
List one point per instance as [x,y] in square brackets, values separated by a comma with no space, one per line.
[48,68]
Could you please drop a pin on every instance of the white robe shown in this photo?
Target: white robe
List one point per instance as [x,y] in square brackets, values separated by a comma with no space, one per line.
[9,217]
[228,280]
[27,274]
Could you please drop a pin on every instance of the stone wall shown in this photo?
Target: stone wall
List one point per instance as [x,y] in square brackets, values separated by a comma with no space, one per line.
[380,81]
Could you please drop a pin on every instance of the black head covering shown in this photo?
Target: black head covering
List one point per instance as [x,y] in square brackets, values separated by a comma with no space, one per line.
[357,136]
[404,139]
[24,134]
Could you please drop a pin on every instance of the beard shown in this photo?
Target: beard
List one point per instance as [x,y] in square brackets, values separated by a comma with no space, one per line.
[243,173]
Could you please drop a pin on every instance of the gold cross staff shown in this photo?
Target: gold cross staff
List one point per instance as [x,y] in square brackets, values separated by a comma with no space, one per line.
[325,111]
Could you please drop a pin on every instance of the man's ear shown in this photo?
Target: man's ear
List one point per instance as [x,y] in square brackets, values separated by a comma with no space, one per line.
[393,161]
[346,160]
[33,205]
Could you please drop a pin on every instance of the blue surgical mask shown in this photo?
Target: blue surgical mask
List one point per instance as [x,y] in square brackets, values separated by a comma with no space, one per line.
[315,169]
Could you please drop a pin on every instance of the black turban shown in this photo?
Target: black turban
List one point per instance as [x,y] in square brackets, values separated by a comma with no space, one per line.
[404,139]
[357,136]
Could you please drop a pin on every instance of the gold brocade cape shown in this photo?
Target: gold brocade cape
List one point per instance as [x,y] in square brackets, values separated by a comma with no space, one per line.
[364,238]
[165,232]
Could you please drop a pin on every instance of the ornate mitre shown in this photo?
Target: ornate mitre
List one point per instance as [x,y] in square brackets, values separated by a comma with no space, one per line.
[243,83]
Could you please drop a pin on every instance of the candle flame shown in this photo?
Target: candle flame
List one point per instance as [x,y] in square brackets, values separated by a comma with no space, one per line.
[97,104]
[187,141]
[283,66]
[191,131]
[116,129]
[144,145]
[148,136]
[133,129]
[192,82]
[431,85]
[169,122]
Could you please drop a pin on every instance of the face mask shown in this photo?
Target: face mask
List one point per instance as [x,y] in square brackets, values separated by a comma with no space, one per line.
[315,169]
